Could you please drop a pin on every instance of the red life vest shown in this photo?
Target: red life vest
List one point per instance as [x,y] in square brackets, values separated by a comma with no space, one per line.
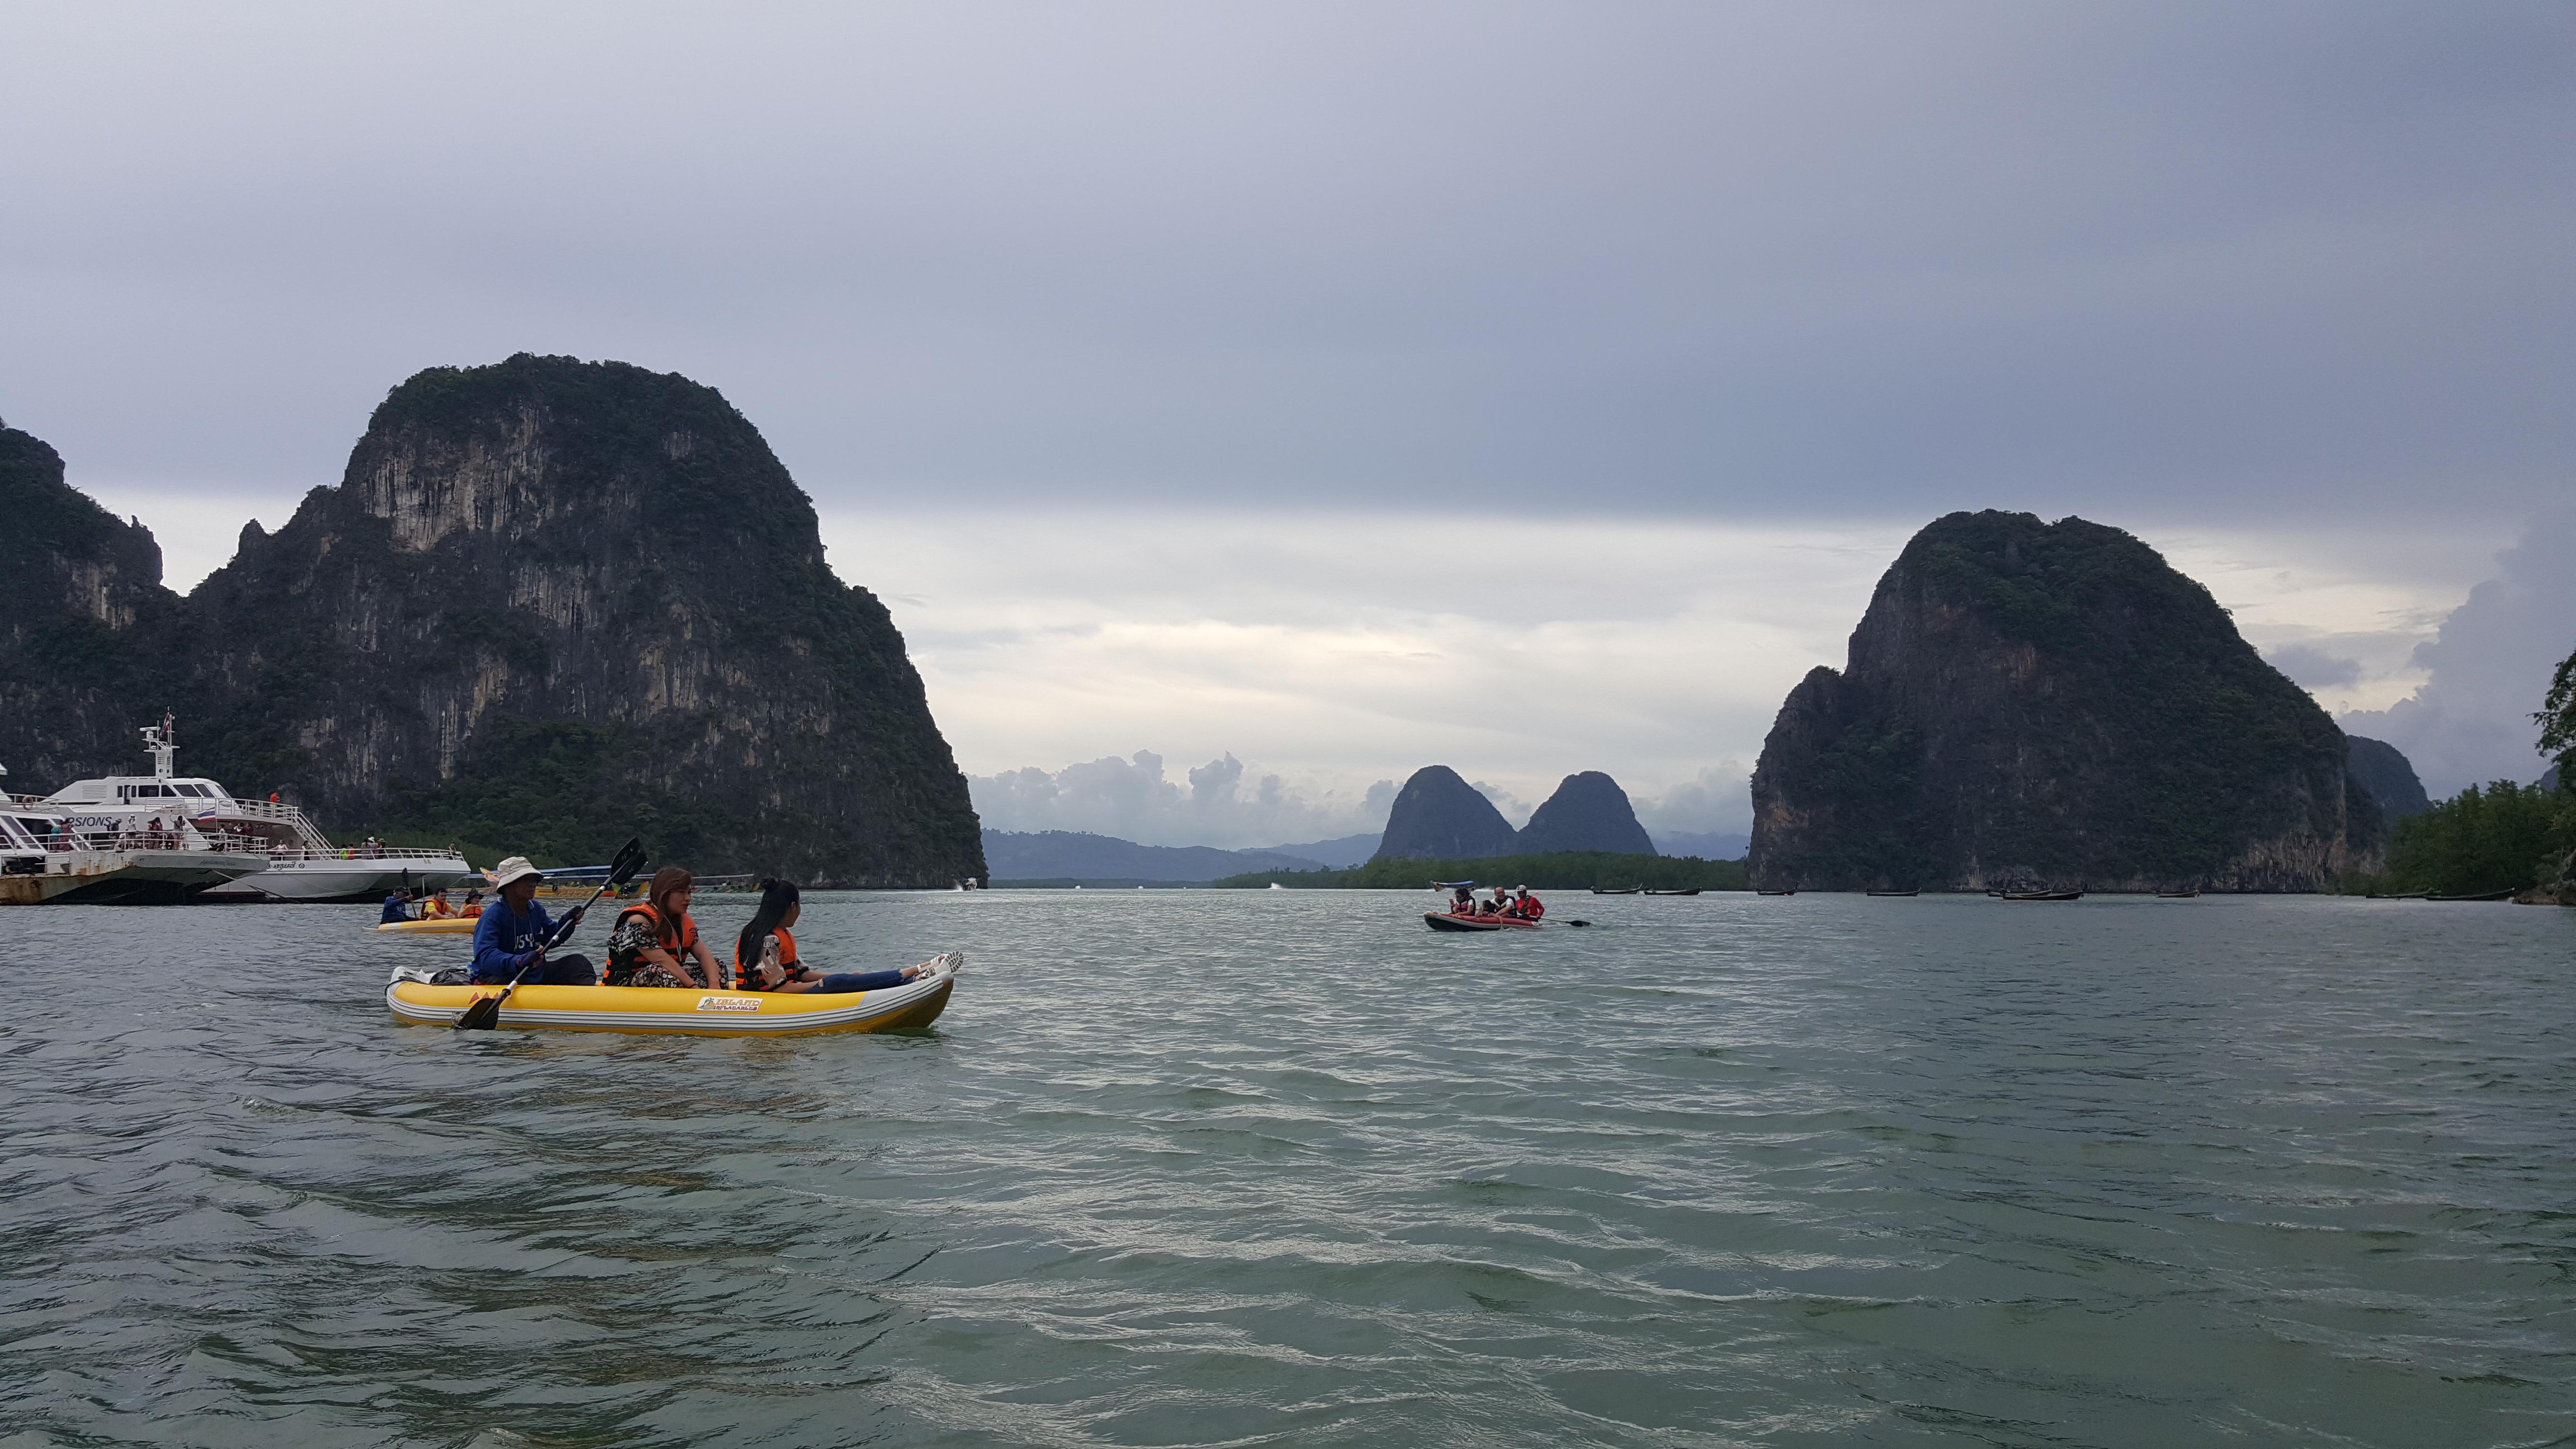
[1531,909]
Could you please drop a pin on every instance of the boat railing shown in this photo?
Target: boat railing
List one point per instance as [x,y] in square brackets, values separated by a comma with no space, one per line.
[305,830]
[217,842]
[291,854]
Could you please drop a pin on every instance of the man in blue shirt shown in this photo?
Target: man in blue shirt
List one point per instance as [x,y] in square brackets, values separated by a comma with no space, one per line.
[397,908]
[510,935]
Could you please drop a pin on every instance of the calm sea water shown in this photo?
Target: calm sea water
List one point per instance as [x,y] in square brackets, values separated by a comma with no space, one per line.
[1287,1168]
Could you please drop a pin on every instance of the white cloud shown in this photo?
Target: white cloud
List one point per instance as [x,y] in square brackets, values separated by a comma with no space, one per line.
[1716,801]
[1132,799]
[1340,649]
[2487,669]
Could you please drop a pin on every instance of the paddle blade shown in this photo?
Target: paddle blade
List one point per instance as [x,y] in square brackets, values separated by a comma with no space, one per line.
[483,1015]
[1578,923]
[630,859]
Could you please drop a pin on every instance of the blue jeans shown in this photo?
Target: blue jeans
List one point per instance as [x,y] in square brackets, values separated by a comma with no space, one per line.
[859,981]
[557,971]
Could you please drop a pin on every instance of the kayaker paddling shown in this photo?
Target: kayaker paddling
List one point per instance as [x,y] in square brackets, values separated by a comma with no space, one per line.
[764,955]
[511,934]
[654,940]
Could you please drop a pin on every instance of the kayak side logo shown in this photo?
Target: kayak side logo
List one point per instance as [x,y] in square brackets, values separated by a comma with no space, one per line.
[728,1003]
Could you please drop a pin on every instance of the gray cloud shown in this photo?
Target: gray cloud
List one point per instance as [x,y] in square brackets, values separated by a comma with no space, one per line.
[1795,260]
[2312,668]
[2488,669]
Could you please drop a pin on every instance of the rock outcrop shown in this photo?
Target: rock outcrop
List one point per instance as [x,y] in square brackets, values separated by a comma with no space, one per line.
[552,603]
[84,622]
[2384,771]
[2052,704]
[1588,812]
[1438,816]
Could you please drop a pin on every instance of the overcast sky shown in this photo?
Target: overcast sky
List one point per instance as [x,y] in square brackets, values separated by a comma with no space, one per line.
[1339,388]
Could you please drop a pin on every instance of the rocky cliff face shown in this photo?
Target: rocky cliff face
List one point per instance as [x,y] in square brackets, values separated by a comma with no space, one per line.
[83,618]
[1438,816]
[549,604]
[2051,703]
[2387,775]
[1588,812]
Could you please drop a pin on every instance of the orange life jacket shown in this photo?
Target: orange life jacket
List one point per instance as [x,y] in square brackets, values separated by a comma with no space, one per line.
[746,975]
[624,963]
[1531,909]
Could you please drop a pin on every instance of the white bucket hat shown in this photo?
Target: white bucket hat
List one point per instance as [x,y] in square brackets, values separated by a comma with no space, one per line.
[515,868]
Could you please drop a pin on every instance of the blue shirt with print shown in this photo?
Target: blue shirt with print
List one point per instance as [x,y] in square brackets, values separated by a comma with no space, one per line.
[504,940]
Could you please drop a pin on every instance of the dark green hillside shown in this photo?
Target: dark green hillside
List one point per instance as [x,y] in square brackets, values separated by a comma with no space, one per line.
[2054,703]
[84,627]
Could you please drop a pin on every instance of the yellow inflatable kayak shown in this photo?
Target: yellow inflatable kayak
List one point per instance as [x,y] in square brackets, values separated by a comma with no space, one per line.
[917,1002]
[432,926]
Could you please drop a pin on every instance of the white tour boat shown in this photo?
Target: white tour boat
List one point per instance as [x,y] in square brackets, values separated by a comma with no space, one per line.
[43,859]
[198,814]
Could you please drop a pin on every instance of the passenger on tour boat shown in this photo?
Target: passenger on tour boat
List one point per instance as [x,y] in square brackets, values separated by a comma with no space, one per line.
[769,948]
[653,939]
[510,938]
[397,908]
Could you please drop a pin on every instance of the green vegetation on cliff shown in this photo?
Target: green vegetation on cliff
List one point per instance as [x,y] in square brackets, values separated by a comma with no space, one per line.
[550,603]
[2051,702]
[1559,870]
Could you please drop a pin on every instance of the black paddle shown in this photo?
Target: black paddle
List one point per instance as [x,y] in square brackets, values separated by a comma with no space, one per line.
[485,1013]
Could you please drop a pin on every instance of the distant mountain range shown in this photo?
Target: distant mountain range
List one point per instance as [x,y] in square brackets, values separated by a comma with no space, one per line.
[1056,855]
[1068,855]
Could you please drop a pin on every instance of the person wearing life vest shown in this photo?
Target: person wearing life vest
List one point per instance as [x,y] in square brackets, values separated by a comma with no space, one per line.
[510,938]
[654,940]
[1530,906]
[764,955]
[434,907]
[1462,901]
[473,904]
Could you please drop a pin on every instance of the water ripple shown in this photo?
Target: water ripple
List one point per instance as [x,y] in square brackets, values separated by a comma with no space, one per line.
[1220,1168]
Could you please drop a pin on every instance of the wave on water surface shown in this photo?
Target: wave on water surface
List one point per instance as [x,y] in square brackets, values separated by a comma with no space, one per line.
[1228,1167]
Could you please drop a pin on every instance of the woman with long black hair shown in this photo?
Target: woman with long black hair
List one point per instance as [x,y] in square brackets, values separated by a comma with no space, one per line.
[764,955]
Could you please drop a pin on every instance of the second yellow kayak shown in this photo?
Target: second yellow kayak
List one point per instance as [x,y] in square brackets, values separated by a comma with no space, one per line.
[434,926]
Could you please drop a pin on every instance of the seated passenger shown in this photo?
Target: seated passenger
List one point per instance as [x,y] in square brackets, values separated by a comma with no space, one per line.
[653,939]
[397,908]
[509,940]
[473,904]
[764,955]
[1462,902]
[1531,907]
[434,907]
